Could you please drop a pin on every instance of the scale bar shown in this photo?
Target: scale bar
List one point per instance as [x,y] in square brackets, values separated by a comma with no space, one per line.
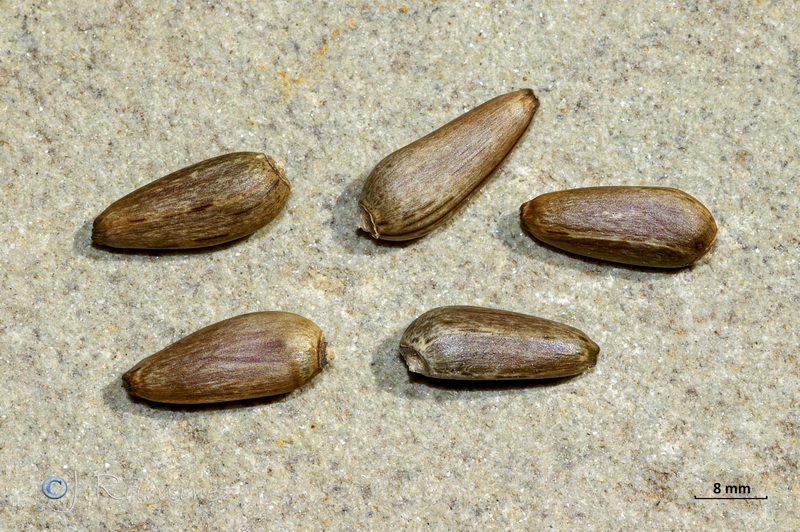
[730,498]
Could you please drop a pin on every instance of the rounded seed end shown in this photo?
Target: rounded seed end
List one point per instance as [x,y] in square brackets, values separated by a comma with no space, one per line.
[529,95]
[99,231]
[276,168]
[366,221]
[127,384]
[415,362]
[592,352]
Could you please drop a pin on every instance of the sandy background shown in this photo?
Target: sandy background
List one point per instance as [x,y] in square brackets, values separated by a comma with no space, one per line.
[697,381]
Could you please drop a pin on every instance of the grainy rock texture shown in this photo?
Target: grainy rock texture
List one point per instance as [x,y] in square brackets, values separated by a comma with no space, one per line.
[698,382]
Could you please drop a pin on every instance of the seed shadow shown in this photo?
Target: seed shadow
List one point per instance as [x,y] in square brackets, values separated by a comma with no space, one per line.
[344,220]
[517,238]
[82,245]
[346,214]
[119,400]
[392,375]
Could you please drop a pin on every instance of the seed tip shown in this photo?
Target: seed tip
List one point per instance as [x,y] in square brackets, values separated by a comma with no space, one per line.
[97,231]
[415,362]
[276,168]
[324,354]
[529,94]
[593,353]
[366,221]
[126,381]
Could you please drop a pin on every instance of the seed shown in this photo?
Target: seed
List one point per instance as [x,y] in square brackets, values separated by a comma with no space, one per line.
[417,188]
[482,343]
[644,226]
[252,355]
[211,202]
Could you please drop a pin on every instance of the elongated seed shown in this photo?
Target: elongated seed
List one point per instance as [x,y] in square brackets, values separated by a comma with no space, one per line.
[211,202]
[462,342]
[417,188]
[644,226]
[248,356]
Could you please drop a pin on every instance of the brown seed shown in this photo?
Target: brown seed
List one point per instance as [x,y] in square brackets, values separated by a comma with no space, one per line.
[417,188]
[211,202]
[644,226]
[481,343]
[252,355]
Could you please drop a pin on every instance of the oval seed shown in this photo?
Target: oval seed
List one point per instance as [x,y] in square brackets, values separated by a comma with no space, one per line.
[211,202]
[644,226]
[462,342]
[248,356]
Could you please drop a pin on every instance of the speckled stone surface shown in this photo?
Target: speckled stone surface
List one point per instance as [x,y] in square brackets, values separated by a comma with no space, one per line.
[698,379]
